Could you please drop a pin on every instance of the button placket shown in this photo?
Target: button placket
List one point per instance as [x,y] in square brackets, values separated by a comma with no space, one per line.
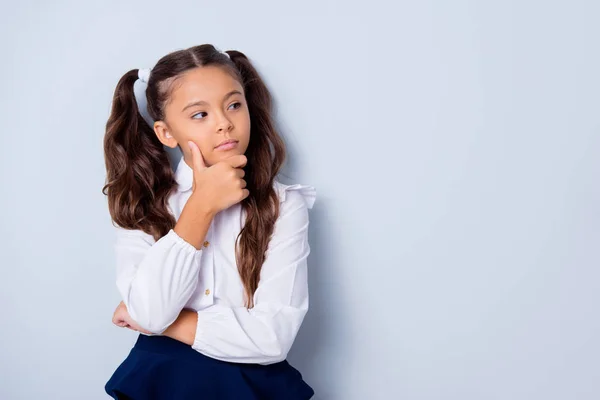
[208,272]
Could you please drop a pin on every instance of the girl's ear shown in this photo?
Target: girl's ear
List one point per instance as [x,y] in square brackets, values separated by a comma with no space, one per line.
[162,133]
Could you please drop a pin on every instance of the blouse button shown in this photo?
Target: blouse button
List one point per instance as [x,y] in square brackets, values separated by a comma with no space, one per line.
[207,292]
[206,244]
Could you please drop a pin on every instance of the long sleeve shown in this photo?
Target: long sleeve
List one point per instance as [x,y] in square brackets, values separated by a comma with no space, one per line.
[155,278]
[265,333]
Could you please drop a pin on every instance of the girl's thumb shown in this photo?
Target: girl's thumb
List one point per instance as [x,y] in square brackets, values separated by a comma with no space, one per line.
[197,159]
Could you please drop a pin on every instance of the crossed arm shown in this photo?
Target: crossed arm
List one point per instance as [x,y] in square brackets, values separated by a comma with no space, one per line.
[262,334]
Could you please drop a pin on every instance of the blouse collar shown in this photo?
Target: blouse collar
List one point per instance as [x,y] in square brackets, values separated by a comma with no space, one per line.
[184,175]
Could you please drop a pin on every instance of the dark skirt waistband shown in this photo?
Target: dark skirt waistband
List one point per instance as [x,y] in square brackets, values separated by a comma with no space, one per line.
[170,347]
[159,366]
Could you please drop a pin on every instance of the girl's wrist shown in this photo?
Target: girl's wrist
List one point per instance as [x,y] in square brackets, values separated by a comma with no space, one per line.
[184,327]
[201,205]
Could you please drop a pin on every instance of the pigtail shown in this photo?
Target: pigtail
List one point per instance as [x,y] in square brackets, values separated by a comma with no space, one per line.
[139,177]
[268,153]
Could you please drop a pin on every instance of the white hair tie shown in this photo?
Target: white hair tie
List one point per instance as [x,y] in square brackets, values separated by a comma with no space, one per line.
[144,74]
[216,48]
[139,91]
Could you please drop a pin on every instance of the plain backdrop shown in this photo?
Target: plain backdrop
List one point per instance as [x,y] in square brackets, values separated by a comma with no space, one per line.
[454,147]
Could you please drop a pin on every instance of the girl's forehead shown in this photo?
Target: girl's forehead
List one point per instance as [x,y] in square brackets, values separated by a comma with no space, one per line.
[204,83]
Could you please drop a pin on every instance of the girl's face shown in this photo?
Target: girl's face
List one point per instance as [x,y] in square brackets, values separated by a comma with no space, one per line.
[208,106]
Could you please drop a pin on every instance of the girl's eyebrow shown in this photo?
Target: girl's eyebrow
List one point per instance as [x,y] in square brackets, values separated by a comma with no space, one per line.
[202,102]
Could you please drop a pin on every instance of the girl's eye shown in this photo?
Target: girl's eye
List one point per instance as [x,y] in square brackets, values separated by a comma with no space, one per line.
[202,112]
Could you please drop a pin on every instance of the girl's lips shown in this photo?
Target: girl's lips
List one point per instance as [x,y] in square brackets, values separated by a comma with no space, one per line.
[227,146]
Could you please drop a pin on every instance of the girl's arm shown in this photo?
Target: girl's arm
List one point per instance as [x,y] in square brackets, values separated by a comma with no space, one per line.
[265,333]
[184,327]
[156,279]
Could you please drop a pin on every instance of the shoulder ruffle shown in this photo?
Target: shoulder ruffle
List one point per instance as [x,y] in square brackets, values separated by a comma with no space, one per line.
[309,193]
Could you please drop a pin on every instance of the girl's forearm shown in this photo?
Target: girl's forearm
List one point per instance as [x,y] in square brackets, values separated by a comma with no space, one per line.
[194,221]
[184,327]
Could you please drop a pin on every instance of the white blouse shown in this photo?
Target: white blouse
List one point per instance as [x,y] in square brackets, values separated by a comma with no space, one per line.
[157,279]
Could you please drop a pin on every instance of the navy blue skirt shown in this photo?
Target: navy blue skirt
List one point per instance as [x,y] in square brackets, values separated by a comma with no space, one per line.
[161,368]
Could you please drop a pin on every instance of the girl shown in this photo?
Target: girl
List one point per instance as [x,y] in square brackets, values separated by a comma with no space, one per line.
[212,257]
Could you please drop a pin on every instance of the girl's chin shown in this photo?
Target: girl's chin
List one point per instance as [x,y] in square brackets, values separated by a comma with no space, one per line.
[223,154]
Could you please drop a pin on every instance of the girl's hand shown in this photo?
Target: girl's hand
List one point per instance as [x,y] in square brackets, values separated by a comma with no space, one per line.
[122,318]
[220,185]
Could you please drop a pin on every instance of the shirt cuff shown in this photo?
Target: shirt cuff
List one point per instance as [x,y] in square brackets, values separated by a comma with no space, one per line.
[181,242]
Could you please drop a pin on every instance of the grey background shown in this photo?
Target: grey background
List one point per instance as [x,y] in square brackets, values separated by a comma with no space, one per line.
[454,147]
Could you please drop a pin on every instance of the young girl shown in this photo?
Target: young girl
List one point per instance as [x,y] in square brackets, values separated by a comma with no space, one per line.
[212,257]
